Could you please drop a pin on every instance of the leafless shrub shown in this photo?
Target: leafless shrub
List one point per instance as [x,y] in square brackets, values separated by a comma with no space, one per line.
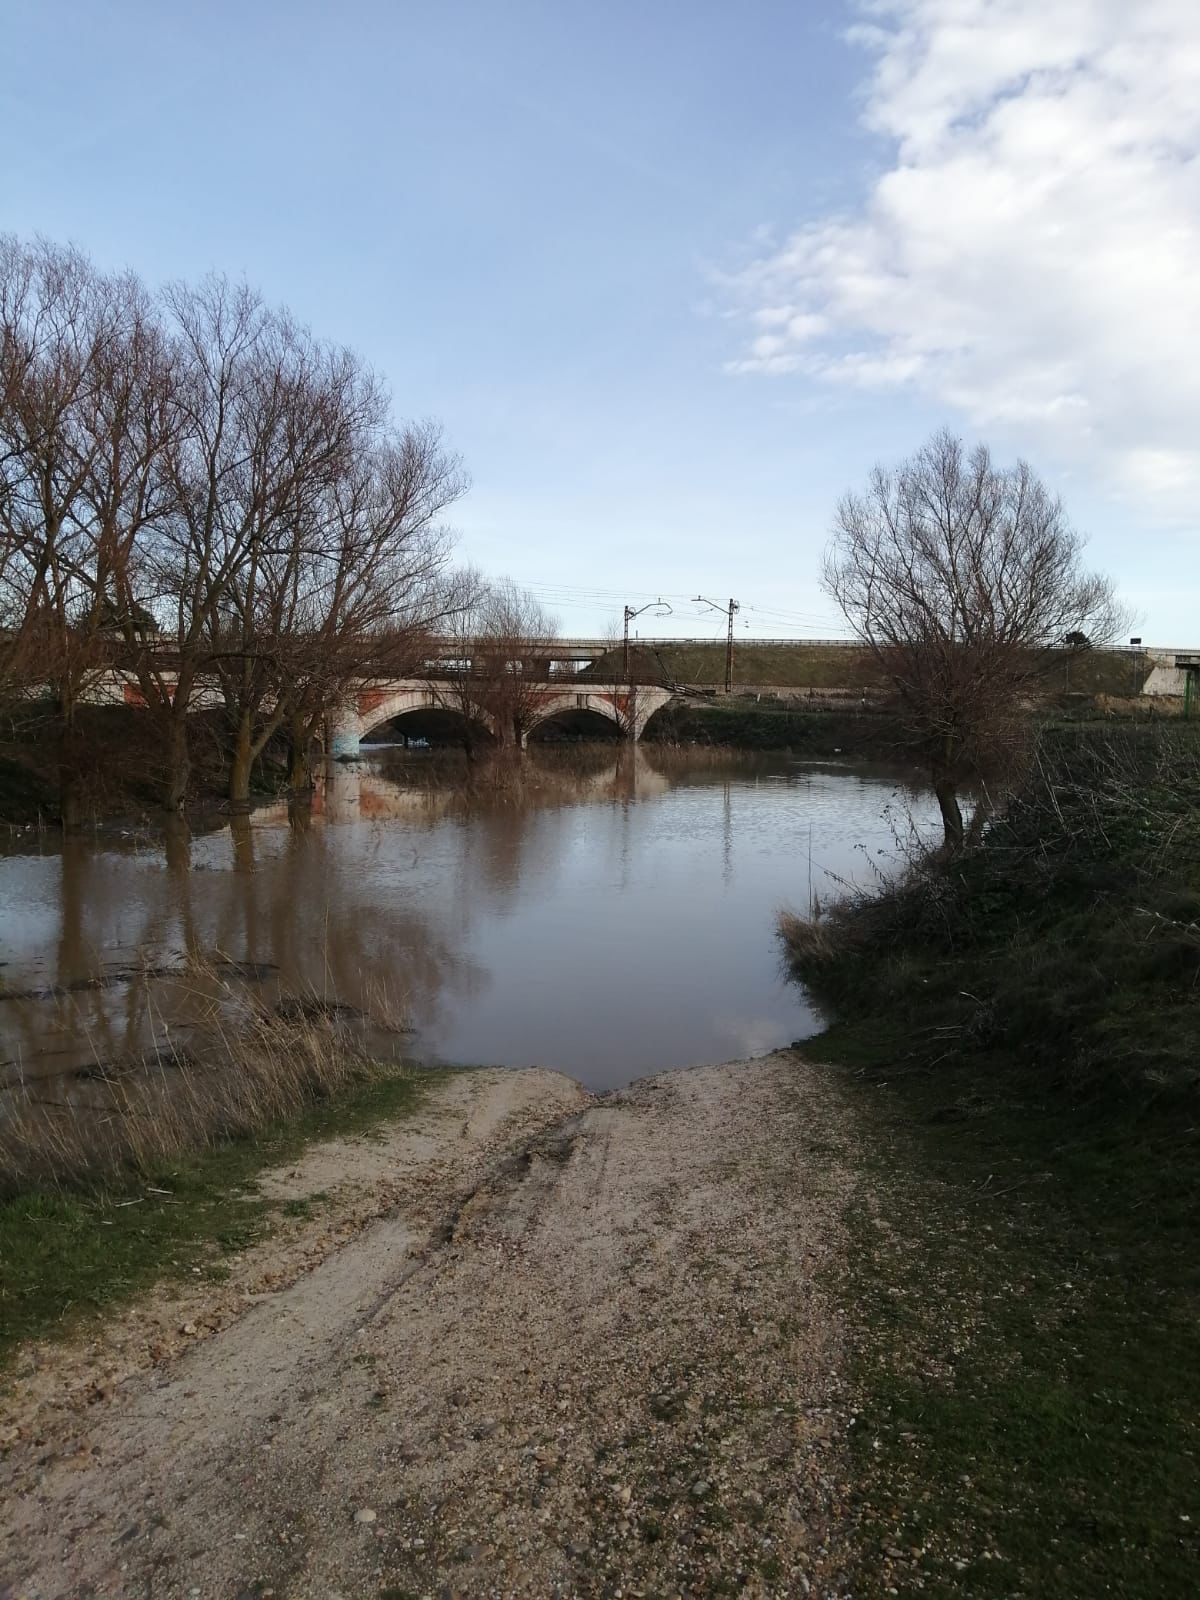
[499,637]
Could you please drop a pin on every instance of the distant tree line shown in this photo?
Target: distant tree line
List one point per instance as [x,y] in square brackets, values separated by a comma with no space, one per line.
[198,493]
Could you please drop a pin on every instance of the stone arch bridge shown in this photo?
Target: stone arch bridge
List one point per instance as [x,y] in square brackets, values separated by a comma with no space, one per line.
[628,707]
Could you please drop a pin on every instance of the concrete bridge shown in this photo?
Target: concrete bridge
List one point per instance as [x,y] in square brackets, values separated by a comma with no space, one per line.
[554,685]
[628,707]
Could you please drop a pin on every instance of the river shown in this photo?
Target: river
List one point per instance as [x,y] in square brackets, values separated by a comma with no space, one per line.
[609,913]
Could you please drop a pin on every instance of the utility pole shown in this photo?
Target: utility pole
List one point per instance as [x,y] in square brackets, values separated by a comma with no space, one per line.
[731,610]
[660,609]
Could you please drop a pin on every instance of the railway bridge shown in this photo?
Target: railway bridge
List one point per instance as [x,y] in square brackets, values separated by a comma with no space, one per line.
[548,682]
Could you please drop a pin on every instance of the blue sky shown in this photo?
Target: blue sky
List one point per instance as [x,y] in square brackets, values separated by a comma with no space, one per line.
[673,276]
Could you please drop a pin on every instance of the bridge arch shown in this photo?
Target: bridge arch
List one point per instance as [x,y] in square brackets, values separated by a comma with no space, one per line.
[658,721]
[599,709]
[361,714]
[575,723]
[628,708]
[376,708]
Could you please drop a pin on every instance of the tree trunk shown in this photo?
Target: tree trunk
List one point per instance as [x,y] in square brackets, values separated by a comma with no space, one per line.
[241,765]
[177,845]
[175,787]
[300,779]
[69,807]
[69,804]
[952,820]
[242,834]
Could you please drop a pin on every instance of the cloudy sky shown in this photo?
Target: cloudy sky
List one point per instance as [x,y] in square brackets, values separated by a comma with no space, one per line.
[675,275]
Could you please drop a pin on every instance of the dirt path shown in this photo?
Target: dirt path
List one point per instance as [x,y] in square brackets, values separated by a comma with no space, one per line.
[580,1354]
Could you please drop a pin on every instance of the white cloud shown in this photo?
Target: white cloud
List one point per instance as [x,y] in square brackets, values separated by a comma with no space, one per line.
[1031,255]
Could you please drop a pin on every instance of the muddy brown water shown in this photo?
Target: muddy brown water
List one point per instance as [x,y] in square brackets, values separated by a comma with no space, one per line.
[609,914]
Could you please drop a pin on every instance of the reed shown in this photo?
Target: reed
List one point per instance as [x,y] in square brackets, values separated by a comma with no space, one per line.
[261,1064]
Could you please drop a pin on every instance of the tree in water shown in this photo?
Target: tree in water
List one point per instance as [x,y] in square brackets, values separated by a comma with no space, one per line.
[960,578]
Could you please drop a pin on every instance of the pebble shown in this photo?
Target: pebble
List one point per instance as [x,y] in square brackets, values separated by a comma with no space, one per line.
[365,1515]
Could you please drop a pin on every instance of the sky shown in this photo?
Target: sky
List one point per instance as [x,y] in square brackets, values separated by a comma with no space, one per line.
[674,276]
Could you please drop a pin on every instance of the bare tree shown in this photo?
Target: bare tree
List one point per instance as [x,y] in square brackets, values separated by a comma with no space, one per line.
[199,495]
[501,638]
[303,407]
[65,330]
[512,653]
[309,533]
[451,656]
[959,577]
[370,590]
[220,479]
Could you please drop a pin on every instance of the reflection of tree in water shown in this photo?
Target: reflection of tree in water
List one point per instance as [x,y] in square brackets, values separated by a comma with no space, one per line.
[104,996]
[333,900]
[503,798]
[295,911]
[319,906]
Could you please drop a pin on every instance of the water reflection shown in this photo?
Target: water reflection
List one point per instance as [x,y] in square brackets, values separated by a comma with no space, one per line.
[609,913]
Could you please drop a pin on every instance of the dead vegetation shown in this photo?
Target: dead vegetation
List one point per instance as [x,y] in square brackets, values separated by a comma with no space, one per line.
[260,1064]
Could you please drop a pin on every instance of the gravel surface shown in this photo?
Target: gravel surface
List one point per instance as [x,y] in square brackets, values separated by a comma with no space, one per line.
[581,1353]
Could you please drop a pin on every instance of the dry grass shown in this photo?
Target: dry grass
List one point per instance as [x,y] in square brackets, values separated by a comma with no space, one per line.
[808,940]
[672,755]
[262,1065]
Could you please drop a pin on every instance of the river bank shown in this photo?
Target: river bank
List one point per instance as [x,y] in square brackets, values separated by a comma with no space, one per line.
[535,1342]
[1023,1023]
[777,1327]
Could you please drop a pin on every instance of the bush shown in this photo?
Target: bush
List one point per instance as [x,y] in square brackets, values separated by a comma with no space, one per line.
[1066,948]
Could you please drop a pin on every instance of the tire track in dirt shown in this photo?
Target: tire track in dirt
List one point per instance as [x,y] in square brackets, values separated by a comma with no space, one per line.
[609,1370]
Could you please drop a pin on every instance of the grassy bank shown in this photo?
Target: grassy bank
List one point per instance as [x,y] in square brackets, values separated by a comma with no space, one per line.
[750,726]
[812,665]
[1023,1309]
[1022,1027]
[857,730]
[71,1251]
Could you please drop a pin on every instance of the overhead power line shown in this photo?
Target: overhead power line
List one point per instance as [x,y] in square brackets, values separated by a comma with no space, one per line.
[591,598]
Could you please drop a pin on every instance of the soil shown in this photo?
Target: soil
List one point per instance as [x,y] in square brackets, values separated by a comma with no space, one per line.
[535,1343]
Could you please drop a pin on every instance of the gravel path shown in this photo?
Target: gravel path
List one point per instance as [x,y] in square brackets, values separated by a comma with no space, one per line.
[585,1357]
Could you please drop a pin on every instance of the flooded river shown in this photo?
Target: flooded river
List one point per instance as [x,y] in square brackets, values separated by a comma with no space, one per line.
[610,914]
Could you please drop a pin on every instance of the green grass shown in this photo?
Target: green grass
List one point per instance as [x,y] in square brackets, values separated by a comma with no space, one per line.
[1022,1027]
[807,666]
[1026,1339]
[69,1254]
[1120,673]
[816,666]
[773,727]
